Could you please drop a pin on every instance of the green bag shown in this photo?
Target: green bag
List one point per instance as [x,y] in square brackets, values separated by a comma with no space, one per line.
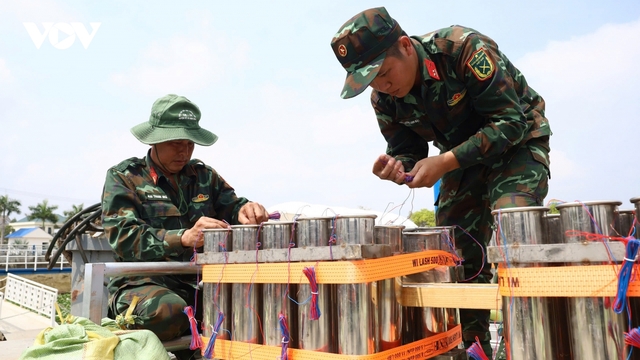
[83,339]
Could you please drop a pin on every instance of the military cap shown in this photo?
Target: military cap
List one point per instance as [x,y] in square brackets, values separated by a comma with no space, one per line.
[173,117]
[361,44]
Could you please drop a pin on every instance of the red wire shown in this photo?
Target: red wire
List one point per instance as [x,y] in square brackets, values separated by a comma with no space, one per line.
[285,336]
[632,337]
[475,351]
[310,273]
[196,341]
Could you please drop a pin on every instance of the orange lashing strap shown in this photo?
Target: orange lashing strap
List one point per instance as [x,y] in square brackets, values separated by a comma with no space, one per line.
[329,272]
[418,350]
[564,281]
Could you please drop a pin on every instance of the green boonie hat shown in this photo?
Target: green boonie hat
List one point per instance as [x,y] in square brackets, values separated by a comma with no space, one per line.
[361,44]
[173,117]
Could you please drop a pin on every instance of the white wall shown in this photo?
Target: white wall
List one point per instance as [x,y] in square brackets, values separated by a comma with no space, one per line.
[49,227]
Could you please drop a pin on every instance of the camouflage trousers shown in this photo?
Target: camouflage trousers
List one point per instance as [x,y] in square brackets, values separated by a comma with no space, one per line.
[159,309]
[467,197]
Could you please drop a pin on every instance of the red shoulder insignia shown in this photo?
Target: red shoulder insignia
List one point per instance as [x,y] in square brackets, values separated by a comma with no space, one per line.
[154,175]
[431,68]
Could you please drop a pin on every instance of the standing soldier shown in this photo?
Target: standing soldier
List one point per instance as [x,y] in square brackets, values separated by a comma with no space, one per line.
[454,87]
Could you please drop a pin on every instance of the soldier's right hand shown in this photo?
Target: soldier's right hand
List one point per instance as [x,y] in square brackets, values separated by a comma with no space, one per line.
[388,168]
[194,237]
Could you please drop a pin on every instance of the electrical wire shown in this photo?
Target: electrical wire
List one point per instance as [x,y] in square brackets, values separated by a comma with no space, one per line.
[624,276]
[81,227]
[209,351]
[66,225]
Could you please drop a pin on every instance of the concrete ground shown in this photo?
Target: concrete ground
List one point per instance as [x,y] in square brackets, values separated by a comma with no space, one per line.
[20,326]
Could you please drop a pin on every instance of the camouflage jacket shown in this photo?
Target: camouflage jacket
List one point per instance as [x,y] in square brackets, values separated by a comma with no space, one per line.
[472,101]
[144,217]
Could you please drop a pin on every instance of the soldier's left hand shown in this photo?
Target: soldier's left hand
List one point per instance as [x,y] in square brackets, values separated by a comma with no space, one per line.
[252,213]
[429,170]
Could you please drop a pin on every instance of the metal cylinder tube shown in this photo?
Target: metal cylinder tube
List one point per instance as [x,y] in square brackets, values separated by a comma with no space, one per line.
[411,324]
[597,332]
[425,321]
[527,327]
[275,297]
[456,273]
[356,309]
[445,274]
[624,223]
[432,320]
[437,239]
[316,335]
[557,306]
[552,229]
[245,305]
[389,235]
[388,293]
[353,229]
[636,202]
[217,296]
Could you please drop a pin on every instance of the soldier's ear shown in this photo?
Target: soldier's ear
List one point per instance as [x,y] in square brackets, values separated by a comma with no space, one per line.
[406,46]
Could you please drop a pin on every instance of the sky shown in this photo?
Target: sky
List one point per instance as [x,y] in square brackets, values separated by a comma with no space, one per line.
[267,83]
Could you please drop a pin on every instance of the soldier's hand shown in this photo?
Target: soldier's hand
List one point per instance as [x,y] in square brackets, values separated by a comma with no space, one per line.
[429,170]
[194,237]
[387,168]
[252,213]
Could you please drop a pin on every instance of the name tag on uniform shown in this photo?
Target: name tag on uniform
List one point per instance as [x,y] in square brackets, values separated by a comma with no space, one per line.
[161,197]
[412,122]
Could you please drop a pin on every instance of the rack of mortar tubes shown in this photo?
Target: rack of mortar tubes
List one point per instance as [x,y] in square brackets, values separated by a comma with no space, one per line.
[558,278]
[350,273]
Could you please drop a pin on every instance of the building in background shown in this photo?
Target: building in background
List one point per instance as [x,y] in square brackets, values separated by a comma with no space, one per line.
[29,238]
[49,227]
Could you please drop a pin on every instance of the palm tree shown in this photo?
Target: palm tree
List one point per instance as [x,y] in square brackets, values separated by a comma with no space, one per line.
[7,206]
[68,214]
[43,212]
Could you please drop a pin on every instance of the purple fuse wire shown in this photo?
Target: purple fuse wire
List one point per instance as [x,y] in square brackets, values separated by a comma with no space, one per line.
[407,178]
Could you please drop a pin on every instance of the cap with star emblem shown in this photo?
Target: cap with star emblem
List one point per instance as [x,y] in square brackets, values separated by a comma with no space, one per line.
[361,44]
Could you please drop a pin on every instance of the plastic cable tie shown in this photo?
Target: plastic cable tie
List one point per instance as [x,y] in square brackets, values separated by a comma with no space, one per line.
[314,293]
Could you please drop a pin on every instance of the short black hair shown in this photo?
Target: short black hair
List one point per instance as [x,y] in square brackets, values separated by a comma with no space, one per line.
[394,50]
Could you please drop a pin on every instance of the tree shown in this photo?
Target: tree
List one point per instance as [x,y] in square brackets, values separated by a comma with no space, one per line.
[20,244]
[74,210]
[43,212]
[423,218]
[7,206]
[7,229]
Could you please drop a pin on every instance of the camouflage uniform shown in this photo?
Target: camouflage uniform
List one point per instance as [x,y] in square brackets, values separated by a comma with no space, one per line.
[144,219]
[473,102]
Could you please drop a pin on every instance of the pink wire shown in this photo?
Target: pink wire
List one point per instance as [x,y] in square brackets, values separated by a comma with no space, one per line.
[196,341]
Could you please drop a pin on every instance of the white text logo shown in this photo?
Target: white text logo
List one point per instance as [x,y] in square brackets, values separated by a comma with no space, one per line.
[70,30]
[187,115]
[410,122]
